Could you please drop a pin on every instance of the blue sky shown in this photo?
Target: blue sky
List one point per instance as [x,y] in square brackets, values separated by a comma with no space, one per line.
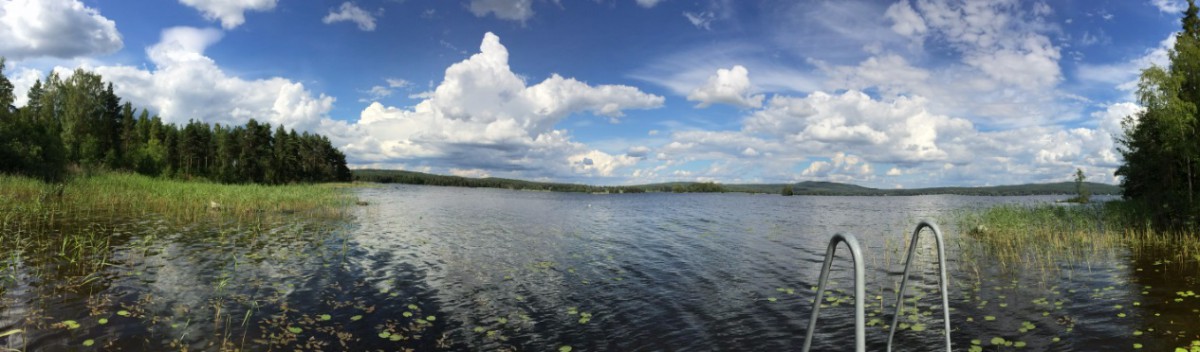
[897,93]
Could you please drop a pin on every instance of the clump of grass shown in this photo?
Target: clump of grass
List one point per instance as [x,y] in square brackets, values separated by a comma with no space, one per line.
[1019,238]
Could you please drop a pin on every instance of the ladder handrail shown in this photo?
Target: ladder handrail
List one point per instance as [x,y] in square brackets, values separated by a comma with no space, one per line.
[860,335]
[941,252]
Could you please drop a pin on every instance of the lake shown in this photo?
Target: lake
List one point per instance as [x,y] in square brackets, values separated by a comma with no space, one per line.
[429,268]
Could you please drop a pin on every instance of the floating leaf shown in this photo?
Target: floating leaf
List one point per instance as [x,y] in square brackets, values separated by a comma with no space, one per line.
[407,314]
[89,342]
[295,330]
[1019,344]
[324,317]
[918,327]
[989,318]
[430,318]
[356,318]
[564,349]
[102,321]
[385,334]
[997,340]
[123,313]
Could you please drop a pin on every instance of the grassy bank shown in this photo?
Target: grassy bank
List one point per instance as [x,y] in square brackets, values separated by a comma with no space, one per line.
[25,199]
[1043,237]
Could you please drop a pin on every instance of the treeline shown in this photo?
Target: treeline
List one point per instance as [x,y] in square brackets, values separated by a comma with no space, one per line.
[824,188]
[420,178]
[1161,144]
[80,122]
[688,187]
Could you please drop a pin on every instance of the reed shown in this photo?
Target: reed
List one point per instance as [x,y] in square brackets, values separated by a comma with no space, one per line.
[123,195]
[1045,237]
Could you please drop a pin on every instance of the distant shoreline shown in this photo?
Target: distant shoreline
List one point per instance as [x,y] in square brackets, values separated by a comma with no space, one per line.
[806,188]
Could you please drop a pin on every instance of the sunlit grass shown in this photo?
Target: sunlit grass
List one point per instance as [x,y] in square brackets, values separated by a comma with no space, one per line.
[122,194]
[1041,238]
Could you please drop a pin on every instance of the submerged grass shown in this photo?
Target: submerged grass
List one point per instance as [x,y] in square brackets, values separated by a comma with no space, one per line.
[1043,237]
[71,238]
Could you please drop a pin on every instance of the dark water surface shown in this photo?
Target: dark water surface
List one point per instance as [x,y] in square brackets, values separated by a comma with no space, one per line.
[428,268]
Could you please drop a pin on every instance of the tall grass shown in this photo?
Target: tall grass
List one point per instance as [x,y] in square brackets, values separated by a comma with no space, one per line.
[123,194]
[1042,238]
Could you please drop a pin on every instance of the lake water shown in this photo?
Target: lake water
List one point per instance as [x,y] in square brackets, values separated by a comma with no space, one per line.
[432,268]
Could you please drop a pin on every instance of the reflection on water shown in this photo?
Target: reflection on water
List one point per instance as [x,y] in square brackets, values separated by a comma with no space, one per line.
[432,268]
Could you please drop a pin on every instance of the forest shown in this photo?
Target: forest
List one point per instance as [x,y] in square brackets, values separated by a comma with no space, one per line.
[1161,144]
[78,123]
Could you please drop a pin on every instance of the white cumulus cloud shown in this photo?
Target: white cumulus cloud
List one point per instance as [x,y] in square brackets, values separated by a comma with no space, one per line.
[484,116]
[231,13]
[184,84]
[352,13]
[55,28]
[728,86]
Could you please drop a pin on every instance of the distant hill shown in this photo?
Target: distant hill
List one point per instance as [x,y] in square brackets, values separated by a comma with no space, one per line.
[834,188]
[802,188]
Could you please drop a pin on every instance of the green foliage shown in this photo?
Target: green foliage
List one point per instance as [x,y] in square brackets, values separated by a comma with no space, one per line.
[1082,194]
[1160,144]
[81,121]
[787,190]
[6,93]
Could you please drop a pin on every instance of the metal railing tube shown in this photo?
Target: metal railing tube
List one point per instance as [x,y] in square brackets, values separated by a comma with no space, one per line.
[860,335]
[941,253]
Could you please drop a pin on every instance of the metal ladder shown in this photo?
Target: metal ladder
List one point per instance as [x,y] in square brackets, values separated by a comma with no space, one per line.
[860,338]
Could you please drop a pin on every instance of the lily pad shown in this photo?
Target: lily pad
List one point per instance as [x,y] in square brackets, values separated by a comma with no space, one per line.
[89,342]
[295,330]
[324,317]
